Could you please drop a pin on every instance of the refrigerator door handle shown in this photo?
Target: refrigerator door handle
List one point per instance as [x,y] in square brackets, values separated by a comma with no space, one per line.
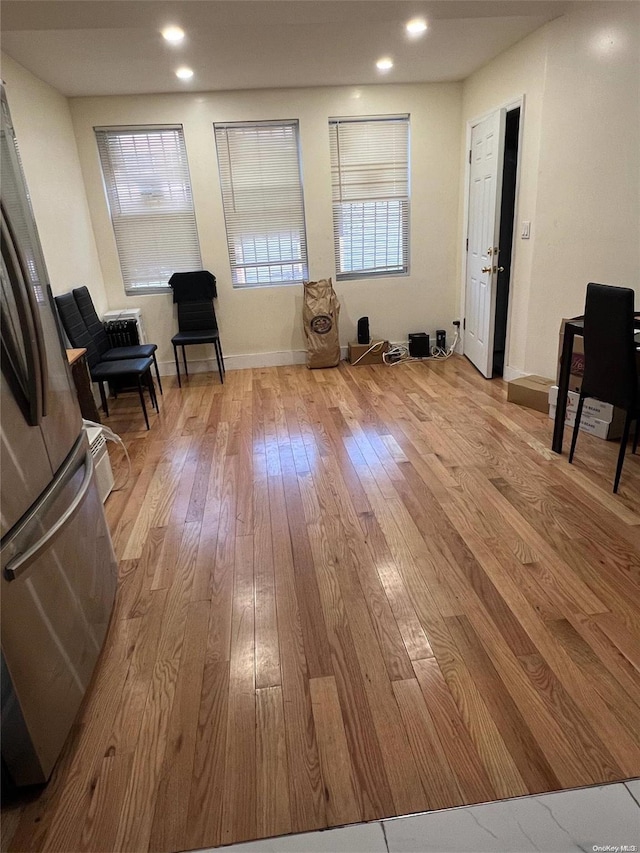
[24,296]
[21,562]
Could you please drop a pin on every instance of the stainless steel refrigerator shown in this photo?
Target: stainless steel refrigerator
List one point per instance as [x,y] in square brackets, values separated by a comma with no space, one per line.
[58,569]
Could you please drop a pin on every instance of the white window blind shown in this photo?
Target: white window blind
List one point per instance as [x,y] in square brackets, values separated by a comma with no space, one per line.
[370,187]
[148,188]
[259,167]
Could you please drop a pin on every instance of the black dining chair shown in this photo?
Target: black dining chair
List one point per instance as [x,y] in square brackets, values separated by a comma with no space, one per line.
[197,324]
[137,369]
[610,360]
[97,331]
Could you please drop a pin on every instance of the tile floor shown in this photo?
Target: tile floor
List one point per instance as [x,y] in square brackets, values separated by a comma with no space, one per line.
[600,819]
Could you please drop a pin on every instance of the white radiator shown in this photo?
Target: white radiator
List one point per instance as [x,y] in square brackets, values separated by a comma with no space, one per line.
[128,314]
[101,461]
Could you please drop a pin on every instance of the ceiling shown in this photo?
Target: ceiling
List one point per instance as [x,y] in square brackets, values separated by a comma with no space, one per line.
[114,47]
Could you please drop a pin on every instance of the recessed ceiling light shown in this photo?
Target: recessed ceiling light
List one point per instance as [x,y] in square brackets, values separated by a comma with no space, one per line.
[173,34]
[184,73]
[384,64]
[416,26]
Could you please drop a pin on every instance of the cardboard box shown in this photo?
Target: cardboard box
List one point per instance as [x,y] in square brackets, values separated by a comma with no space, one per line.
[575,382]
[594,426]
[594,408]
[530,391]
[577,359]
[358,352]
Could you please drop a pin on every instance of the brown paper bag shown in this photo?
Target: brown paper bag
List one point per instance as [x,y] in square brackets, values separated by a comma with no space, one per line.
[320,315]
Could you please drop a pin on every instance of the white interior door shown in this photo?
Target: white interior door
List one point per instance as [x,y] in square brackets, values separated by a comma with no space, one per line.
[485,185]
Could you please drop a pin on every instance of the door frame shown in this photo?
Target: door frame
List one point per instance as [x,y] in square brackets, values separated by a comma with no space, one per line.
[511,104]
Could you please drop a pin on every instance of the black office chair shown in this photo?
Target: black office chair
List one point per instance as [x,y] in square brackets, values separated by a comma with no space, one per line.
[96,329]
[198,325]
[610,360]
[138,369]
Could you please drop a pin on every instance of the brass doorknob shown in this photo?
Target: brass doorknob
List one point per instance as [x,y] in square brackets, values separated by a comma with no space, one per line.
[486,269]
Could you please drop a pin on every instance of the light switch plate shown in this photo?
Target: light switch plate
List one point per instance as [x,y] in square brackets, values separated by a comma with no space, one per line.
[525,233]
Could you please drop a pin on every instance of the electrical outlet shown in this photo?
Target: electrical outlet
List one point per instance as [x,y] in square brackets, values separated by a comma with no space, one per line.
[525,233]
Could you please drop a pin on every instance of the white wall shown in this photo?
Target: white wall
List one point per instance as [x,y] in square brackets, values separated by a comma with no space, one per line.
[52,170]
[580,167]
[267,321]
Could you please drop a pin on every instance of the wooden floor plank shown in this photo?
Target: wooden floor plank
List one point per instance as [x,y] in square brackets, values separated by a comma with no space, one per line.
[529,759]
[305,782]
[344,595]
[340,787]
[438,779]
[239,805]
[272,795]
[364,746]
[172,801]
[471,775]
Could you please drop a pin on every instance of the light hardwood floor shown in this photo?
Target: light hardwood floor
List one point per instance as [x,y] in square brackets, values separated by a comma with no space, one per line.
[344,595]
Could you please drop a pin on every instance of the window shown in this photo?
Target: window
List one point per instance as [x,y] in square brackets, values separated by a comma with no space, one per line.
[370,186]
[148,188]
[259,168]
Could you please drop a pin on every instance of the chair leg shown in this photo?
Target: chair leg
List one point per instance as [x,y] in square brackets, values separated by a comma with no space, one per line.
[623,448]
[142,403]
[175,355]
[103,398]
[155,396]
[152,390]
[576,428]
[219,348]
[637,434]
[155,362]
[220,370]
[184,360]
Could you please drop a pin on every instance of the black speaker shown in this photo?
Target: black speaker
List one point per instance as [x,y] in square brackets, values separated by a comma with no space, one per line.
[419,345]
[441,339]
[363,330]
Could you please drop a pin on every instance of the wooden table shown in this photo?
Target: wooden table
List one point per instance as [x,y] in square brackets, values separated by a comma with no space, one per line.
[82,381]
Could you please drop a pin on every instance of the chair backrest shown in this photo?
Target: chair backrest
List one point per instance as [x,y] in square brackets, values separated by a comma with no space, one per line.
[93,323]
[194,286]
[610,365]
[196,316]
[76,328]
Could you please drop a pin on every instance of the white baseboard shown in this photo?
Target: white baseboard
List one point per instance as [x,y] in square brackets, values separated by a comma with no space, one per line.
[237,362]
[262,359]
[510,373]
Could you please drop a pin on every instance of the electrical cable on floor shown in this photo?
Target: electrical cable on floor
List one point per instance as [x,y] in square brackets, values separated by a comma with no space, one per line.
[110,435]
[375,347]
[440,353]
[399,354]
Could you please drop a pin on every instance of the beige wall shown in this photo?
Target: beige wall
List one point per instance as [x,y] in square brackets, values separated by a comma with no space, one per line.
[580,167]
[267,320]
[50,160]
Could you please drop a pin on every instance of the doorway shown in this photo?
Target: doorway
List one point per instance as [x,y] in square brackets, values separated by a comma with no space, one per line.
[491,200]
[507,223]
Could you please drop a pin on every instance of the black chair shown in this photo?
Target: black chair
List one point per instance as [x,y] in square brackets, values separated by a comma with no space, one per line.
[610,360]
[97,331]
[138,369]
[197,324]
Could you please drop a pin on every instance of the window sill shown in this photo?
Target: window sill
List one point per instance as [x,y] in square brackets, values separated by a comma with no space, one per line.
[267,285]
[360,276]
[147,291]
